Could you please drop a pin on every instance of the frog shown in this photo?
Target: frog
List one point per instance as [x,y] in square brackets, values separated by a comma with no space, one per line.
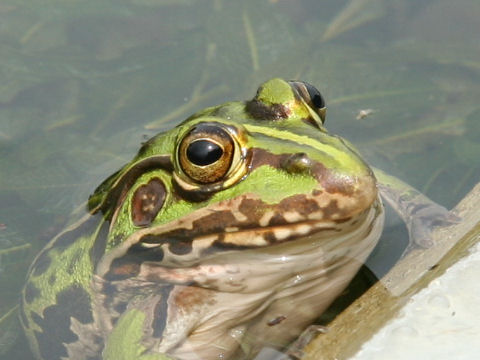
[235,229]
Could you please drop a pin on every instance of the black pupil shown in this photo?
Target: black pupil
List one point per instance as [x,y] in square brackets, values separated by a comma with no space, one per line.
[315,96]
[203,152]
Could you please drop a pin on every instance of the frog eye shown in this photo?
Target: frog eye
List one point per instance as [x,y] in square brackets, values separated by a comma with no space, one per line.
[311,96]
[206,153]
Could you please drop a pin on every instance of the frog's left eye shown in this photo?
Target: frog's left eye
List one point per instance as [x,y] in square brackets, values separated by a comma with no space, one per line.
[311,96]
[206,153]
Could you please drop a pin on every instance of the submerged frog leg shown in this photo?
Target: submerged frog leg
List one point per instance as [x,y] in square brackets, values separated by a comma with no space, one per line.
[295,350]
[419,213]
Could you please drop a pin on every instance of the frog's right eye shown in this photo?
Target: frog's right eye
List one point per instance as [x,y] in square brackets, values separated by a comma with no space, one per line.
[311,96]
[206,153]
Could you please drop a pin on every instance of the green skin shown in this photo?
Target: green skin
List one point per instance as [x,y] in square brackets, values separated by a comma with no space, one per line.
[130,280]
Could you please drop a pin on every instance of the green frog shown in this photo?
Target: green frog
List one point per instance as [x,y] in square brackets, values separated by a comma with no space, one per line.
[233,230]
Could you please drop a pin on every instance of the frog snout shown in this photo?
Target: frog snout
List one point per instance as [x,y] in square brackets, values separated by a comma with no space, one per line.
[298,163]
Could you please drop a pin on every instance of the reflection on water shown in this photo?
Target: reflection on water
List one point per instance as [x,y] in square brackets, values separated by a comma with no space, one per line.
[84,83]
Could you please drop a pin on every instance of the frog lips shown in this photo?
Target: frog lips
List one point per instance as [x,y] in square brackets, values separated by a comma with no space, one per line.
[269,230]
[269,235]
[233,237]
[242,223]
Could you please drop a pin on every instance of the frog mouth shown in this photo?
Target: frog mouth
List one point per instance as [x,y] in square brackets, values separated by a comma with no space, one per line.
[239,224]
[177,248]
[247,223]
[166,247]
[241,238]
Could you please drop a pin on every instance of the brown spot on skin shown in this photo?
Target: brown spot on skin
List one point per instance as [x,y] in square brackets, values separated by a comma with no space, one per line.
[189,297]
[126,270]
[270,237]
[122,270]
[147,202]
[161,312]
[277,219]
[177,244]
[253,209]
[331,209]
[180,246]
[120,307]
[31,293]
[317,192]
[276,321]
[261,111]
[331,183]
[52,279]
[300,203]
[42,263]
[216,222]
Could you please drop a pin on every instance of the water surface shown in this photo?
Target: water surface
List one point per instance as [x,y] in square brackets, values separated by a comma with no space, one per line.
[83,83]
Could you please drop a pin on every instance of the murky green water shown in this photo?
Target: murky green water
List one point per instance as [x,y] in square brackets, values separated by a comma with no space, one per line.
[83,83]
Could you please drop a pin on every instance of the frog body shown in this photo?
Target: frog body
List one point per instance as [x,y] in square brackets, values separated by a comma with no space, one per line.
[233,230]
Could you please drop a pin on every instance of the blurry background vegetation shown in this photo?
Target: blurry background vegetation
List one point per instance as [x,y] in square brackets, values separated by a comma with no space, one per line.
[84,82]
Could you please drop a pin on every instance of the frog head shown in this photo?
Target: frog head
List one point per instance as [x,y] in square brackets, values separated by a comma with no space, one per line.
[241,175]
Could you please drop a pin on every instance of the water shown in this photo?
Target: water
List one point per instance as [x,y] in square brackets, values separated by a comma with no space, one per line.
[83,83]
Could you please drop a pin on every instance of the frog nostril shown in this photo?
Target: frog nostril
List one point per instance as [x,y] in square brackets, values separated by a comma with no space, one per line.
[297,163]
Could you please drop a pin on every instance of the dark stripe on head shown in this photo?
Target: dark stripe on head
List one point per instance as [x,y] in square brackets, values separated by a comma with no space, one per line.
[261,111]
[262,157]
